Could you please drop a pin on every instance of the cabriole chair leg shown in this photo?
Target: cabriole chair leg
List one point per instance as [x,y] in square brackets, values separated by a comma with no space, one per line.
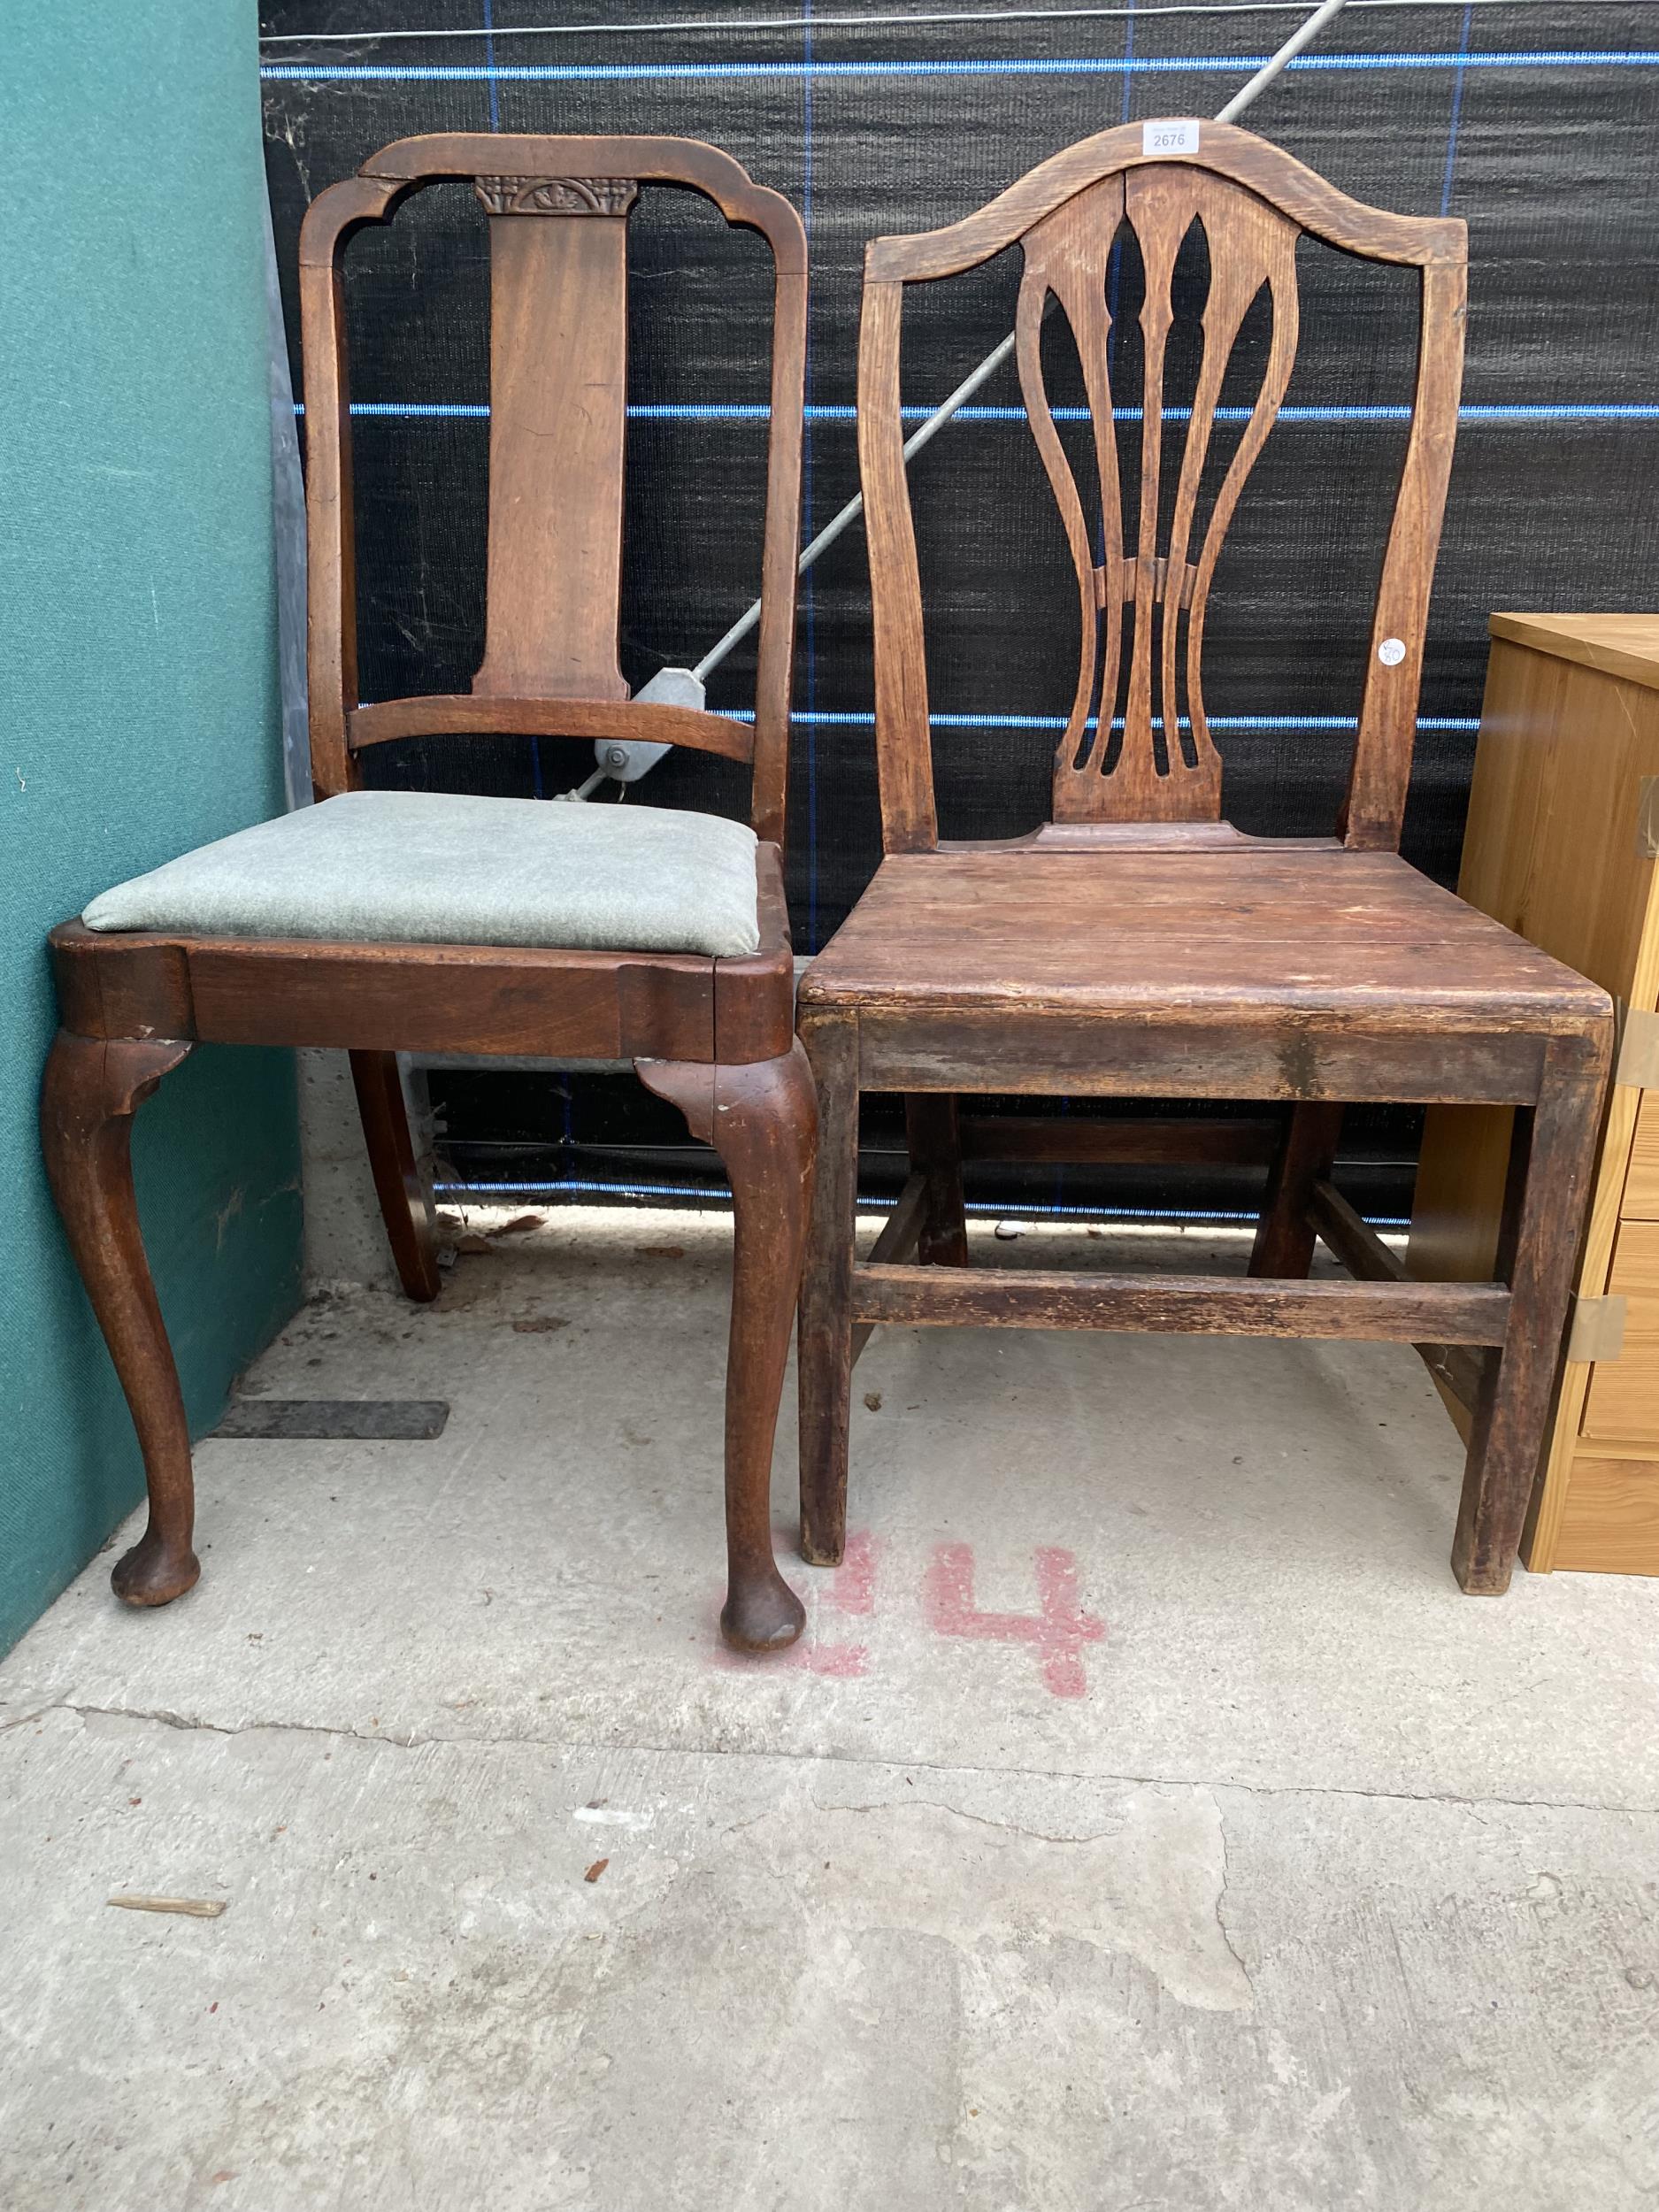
[92,1087]
[761,1119]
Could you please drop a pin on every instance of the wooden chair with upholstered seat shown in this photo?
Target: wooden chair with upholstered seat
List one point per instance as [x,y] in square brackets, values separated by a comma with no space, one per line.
[387,921]
[1139,946]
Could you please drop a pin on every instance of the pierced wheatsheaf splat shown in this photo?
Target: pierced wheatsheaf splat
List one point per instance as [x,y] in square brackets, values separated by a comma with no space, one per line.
[1139,598]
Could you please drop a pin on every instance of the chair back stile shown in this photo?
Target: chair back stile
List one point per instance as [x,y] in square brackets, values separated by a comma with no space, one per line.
[1136,746]
[558,210]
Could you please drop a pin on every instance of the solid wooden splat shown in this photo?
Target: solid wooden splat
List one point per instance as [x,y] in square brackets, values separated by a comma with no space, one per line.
[558,339]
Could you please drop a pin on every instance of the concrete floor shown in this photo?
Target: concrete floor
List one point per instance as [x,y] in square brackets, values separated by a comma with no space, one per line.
[1146,1821]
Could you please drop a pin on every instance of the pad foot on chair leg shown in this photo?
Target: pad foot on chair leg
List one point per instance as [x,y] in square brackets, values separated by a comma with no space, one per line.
[762,1613]
[762,1118]
[91,1089]
[155,1572]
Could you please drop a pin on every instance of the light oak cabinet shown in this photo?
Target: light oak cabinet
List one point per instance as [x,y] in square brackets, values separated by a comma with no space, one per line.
[1564,831]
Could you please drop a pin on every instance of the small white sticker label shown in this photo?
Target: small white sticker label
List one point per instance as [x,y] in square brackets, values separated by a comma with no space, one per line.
[1391,651]
[1169,138]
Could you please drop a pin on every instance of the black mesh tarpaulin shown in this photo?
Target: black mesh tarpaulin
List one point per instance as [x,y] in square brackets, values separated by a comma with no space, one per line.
[1538,124]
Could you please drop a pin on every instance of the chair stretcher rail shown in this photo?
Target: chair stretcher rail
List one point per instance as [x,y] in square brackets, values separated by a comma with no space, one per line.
[1448,1313]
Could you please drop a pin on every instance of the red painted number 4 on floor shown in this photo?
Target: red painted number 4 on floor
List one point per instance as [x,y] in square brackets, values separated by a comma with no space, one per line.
[1055,1632]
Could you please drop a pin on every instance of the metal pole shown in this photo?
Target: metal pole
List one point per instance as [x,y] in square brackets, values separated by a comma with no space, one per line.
[840,524]
[1278,62]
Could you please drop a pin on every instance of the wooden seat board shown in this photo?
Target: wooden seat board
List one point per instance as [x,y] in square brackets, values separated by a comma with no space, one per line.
[1341,931]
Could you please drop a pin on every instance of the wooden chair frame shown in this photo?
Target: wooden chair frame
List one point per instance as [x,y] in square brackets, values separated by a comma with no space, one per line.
[714,1036]
[900,1000]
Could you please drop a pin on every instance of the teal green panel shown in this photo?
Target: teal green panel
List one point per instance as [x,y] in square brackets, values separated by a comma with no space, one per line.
[138,699]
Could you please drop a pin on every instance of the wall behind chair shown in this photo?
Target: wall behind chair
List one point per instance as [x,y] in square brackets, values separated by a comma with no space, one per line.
[138,703]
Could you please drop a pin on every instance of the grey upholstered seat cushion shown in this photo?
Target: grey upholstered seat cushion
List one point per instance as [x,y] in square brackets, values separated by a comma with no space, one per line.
[413,867]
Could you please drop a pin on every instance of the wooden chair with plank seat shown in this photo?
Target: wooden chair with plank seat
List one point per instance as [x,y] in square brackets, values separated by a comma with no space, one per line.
[1137,945]
[367,920]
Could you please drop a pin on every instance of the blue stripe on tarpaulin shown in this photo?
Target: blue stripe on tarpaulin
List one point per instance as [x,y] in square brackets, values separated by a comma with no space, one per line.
[1017,1212]
[744,411]
[1080,66]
